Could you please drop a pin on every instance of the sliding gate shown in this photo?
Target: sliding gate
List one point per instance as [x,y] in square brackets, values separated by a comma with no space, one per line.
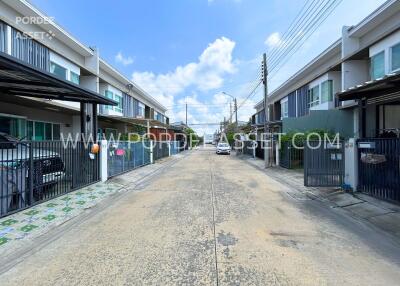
[323,164]
[379,167]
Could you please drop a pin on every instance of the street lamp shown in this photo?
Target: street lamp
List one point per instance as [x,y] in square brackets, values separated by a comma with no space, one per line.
[235,101]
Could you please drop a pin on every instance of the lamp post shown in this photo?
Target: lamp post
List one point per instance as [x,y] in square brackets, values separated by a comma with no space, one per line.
[235,108]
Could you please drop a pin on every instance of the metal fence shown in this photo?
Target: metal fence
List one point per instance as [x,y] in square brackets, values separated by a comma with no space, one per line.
[125,156]
[248,147]
[290,157]
[175,147]
[160,149]
[379,167]
[35,171]
[323,164]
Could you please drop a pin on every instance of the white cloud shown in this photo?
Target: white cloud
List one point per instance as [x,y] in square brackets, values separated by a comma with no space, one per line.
[126,61]
[206,74]
[274,40]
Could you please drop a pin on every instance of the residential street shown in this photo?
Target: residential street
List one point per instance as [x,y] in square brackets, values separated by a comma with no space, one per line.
[213,220]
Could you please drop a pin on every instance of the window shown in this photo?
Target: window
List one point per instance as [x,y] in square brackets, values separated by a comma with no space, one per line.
[118,99]
[155,115]
[378,65]
[74,77]
[115,97]
[395,57]
[313,96]
[13,126]
[56,132]
[38,131]
[285,109]
[109,95]
[58,70]
[140,111]
[327,91]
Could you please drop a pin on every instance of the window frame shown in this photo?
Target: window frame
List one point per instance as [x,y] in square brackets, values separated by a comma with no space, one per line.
[71,74]
[311,100]
[383,54]
[391,58]
[60,66]
[330,91]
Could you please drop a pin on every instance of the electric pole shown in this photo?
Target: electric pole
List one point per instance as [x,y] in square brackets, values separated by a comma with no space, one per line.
[186,113]
[264,73]
[230,112]
[236,115]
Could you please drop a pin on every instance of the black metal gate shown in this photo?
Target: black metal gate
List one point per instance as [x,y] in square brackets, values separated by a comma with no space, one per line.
[290,157]
[379,167]
[35,171]
[323,164]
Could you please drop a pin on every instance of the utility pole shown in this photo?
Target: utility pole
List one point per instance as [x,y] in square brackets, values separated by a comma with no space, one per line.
[236,114]
[264,72]
[230,112]
[186,113]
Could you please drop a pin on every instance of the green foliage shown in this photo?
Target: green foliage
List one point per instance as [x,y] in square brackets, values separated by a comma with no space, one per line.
[301,137]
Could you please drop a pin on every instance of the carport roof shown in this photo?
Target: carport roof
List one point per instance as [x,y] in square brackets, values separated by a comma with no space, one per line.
[22,79]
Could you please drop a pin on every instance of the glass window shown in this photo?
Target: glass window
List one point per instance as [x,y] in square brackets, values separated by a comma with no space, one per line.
[39,133]
[74,77]
[378,65]
[56,132]
[313,96]
[58,70]
[109,95]
[29,130]
[285,109]
[327,91]
[118,99]
[47,131]
[395,57]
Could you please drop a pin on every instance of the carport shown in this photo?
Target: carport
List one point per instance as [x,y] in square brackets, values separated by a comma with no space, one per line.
[35,171]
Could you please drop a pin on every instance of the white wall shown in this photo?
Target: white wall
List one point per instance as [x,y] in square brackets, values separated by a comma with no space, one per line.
[385,45]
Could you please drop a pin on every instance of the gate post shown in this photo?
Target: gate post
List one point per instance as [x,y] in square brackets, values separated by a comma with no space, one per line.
[151,152]
[169,148]
[277,153]
[351,163]
[103,160]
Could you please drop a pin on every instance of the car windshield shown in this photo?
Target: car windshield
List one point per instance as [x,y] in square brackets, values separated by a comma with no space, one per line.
[223,145]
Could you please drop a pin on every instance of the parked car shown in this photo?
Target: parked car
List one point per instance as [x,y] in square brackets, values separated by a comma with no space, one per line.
[223,148]
[48,169]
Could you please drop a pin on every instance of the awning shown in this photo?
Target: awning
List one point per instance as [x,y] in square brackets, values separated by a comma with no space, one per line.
[22,79]
[388,85]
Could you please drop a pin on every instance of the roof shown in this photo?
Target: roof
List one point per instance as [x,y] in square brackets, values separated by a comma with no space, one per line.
[386,10]
[22,79]
[387,85]
[138,121]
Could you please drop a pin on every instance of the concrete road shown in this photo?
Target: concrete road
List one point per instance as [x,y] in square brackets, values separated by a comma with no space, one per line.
[213,220]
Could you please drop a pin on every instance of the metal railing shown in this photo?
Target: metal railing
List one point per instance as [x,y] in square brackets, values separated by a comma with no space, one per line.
[35,171]
[125,156]
[290,157]
[379,167]
[160,149]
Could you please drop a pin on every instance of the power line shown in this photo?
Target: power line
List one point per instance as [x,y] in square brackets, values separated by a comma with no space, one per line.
[320,20]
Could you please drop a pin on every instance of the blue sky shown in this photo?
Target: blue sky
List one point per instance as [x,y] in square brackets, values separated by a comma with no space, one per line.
[193,50]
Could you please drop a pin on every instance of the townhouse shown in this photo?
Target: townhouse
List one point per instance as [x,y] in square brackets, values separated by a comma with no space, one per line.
[351,88]
[45,45]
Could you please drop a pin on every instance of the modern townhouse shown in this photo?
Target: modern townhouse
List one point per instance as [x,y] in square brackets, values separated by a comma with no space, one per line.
[351,88]
[46,46]
[53,86]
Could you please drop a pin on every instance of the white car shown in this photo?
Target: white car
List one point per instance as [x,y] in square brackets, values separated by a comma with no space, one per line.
[223,148]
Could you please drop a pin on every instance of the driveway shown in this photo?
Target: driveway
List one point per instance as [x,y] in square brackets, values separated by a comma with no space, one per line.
[212,220]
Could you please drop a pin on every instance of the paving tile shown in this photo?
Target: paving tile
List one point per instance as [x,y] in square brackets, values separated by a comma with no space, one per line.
[28,227]
[8,222]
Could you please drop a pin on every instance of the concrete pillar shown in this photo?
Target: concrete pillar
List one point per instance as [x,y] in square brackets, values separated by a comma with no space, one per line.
[277,153]
[169,148]
[151,152]
[103,160]
[351,163]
